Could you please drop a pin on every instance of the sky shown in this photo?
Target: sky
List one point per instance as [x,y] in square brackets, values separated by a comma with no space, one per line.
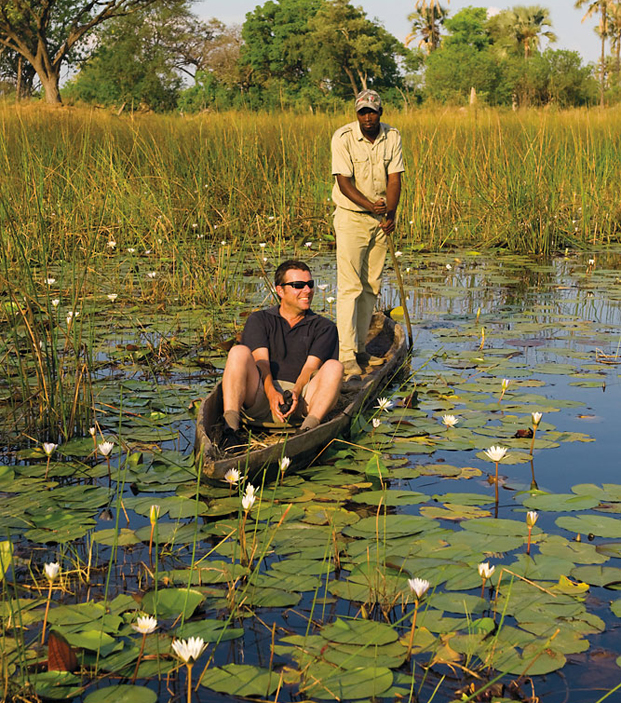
[566,20]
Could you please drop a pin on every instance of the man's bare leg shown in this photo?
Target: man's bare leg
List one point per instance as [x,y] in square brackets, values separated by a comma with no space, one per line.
[240,383]
[323,392]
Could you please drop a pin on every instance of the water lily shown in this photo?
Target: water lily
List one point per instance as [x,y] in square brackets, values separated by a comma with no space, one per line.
[112,296]
[449,420]
[111,244]
[55,302]
[154,513]
[262,245]
[151,274]
[418,587]
[105,448]
[248,500]
[531,519]
[71,316]
[448,267]
[330,300]
[52,570]
[384,404]
[308,245]
[145,625]
[223,242]
[284,463]
[496,453]
[232,477]
[50,281]
[485,572]
[49,447]
[130,250]
[536,418]
[398,254]
[189,651]
[376,422]
[322,286]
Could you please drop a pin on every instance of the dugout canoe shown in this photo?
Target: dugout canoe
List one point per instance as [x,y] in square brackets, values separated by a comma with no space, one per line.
[386,338]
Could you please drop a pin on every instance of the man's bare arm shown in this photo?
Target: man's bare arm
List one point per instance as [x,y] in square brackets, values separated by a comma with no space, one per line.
[393,195]
[350,191]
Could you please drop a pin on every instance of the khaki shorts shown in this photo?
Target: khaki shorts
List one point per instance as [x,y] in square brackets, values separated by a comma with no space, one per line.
[260,413]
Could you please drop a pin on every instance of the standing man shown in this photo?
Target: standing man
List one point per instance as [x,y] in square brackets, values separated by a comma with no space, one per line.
[367,164]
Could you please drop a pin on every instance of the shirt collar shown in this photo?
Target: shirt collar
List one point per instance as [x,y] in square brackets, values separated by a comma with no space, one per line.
[275,311]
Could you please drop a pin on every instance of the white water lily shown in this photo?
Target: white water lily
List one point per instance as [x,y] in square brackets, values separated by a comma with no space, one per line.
[232,477]
[154,513]
[71,316]
[52,570]
[308,245]
[284,464]
[384,404]
[376,422]
[55,302]
[531,518]
[496,453]
[130,250]
[485,570]
[49,447]
[105,448]
[505,384]
[536,418]
[330,300]
[248,500]
[190,649]
[50,281]
[145,625]
[419,587]
[112,296]
[262,245]
[92,431]
[223,242]
[449,420]
[322,286]
[448,267]
[398,254]
[151,274]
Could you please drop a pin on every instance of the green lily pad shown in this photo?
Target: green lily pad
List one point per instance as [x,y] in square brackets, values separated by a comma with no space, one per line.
[358,632]
[172,602]
[241,680]
[122,693]
[607,576]
[560,502]
[329,683]
[598,525]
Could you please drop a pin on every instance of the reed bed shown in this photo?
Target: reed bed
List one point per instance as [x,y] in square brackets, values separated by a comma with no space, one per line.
[530,181]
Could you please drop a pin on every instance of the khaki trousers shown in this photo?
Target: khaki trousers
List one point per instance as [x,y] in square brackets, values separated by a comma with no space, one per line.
[360,254]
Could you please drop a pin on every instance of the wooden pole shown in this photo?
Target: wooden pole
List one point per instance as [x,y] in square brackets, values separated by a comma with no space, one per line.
[406,314]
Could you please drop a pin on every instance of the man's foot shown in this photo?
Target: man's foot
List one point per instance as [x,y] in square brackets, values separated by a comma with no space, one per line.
[366,359]
[351,369]
[231,440]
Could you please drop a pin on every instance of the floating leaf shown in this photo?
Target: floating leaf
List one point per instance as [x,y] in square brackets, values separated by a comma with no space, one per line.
[122,693]
[241,680]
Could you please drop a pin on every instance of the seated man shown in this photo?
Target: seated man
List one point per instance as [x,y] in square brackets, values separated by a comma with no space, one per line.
[287,347]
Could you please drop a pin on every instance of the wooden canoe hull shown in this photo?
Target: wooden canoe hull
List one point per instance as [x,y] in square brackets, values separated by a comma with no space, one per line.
[299,448]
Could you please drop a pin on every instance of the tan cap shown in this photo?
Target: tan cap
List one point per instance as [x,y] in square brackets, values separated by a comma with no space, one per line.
[368,98]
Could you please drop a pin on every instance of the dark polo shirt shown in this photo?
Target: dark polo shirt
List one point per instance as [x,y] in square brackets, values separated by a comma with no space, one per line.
[289,347]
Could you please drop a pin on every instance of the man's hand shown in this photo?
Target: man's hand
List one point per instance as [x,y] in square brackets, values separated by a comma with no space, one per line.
[388,224]
[379,207]
[275,400]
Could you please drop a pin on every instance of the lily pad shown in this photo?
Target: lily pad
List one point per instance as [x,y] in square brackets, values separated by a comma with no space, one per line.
[241,680]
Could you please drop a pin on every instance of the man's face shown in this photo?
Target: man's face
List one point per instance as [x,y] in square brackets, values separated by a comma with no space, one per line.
[292,297]
[369,121]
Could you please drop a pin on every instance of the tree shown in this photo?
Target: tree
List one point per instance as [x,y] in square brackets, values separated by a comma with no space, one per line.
[350,51]
[464,60]
[140,58]
[426,23]
[43,32]
[521,29]
[603,8]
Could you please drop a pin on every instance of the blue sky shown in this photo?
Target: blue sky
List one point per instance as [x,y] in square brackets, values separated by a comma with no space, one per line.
[566,20]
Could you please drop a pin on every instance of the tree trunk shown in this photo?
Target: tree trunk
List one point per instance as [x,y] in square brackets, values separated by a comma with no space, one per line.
[352,80]
[49,82]
[602,78]
[18,87]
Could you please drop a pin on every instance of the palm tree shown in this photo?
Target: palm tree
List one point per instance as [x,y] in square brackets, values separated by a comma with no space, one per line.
[614,31]
[529,26]
[426,23]
[603,8]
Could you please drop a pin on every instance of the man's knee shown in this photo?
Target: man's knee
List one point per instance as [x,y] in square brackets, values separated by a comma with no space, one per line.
[332,370]
[238,358]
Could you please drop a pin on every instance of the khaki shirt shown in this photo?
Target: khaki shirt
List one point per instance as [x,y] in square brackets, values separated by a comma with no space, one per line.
[367,164]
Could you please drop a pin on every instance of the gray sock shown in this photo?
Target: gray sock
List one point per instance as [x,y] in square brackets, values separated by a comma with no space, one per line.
[231,417]
[310,422]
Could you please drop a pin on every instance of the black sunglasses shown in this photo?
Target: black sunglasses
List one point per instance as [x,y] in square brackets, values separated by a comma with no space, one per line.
[300,285]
